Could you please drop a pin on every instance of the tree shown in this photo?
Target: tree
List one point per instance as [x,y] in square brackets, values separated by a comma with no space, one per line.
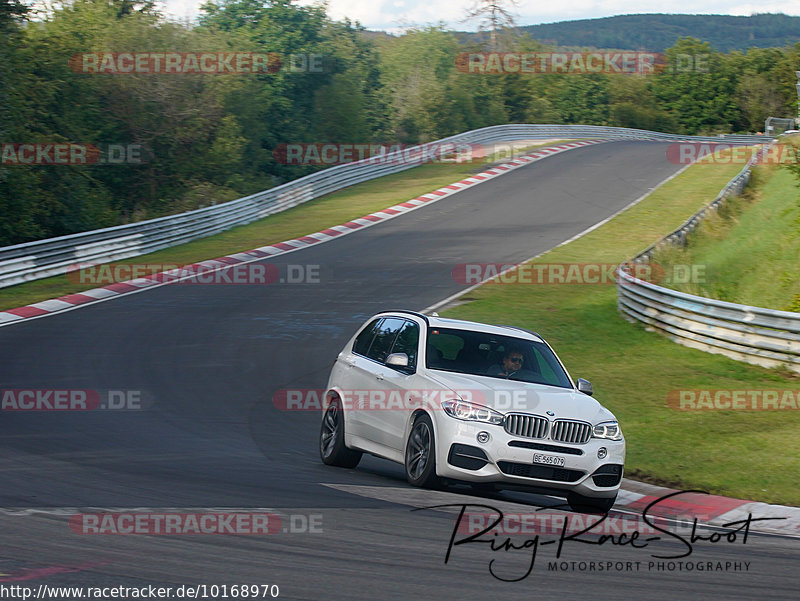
[12,12]
[584,99]
[339,112]
[428,97]
[697,88]
[765,86]
[127,7]
[493,16]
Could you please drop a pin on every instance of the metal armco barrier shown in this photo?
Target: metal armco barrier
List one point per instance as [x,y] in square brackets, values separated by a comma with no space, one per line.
[765,337]
[53,256]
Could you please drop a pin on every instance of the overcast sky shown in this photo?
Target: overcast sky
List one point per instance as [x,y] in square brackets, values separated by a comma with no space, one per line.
[393,15]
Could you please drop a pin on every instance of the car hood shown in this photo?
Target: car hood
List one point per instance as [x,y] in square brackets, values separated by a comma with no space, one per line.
[509,396]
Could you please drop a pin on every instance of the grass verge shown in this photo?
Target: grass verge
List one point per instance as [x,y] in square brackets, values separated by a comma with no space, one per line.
[747,454]
[749,249]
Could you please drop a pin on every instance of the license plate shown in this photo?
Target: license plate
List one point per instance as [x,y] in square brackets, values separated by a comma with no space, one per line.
[548,459]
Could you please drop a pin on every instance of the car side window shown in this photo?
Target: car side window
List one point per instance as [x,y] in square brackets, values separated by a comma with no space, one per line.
[384,339]
[408,342]
[364,339]
[449,344]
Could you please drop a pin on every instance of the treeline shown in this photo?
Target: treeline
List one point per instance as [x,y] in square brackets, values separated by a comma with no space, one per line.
[209,138]
[656,32]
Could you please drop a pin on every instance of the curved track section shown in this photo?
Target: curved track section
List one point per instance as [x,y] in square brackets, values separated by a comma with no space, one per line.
[207,361]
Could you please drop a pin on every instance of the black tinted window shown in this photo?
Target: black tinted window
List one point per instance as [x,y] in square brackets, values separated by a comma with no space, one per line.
[364,339]
[407,342]
[482,354]
[384,338]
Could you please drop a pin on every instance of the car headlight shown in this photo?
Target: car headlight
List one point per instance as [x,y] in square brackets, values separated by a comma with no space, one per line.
[609,430]
[471,412]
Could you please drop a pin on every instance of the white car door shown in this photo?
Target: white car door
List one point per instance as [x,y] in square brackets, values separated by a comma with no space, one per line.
[399,388]
[358,378]
[368,385]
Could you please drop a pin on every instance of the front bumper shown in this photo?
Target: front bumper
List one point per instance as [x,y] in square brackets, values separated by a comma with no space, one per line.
[505,459]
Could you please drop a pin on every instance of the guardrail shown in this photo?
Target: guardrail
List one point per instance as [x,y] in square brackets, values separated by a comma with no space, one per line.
[765,337]
[53,256]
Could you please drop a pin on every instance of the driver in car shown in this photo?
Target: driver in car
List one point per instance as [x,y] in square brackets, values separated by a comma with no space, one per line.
[512,363]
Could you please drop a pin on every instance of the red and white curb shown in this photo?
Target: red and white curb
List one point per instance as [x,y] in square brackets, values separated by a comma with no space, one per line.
[707,509]
[117,289]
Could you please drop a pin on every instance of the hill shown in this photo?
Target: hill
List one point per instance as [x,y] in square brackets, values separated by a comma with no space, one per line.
[658,32]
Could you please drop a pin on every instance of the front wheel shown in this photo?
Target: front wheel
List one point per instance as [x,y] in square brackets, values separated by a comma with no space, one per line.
[421,454]
[583,504]
[331,439]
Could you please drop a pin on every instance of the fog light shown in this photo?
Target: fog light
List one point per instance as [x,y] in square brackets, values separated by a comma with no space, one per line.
[483,437]
[602,452]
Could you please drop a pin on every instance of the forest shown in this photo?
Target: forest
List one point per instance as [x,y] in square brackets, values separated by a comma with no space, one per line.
[658,32]
[160,142]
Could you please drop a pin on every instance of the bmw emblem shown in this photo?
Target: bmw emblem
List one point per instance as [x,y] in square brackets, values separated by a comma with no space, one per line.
[550,413]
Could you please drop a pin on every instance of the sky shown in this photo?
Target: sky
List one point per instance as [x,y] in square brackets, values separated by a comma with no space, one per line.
[395,15]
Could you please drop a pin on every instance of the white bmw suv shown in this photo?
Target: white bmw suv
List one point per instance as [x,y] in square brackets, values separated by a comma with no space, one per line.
[471,402]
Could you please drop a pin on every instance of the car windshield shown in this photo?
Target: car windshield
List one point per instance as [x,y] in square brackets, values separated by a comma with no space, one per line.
[495,356]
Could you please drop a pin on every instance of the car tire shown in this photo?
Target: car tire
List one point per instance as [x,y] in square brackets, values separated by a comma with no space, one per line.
[420,455]
[332,449]
[583,504]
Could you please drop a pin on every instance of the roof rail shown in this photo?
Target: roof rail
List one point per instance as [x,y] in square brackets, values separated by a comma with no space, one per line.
[502,325]
[407,312]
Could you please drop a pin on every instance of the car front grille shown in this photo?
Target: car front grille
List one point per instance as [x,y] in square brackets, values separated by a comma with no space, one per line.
[529,426]
[535,426]
[571,431]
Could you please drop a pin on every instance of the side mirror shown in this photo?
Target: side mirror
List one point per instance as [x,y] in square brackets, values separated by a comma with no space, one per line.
[585,386]
[397,360]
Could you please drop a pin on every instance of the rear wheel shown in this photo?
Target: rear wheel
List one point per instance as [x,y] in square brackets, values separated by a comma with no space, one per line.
[421,454]
[583,504]
[331,438]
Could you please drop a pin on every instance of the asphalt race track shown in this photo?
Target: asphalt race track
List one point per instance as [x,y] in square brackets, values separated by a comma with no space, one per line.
[207,359]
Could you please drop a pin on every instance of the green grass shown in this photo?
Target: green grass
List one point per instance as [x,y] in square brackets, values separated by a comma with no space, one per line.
[333,209]
[746,454]
[750,249]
